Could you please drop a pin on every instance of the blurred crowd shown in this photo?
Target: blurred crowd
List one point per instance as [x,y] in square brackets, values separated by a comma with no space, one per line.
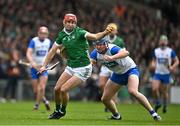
[20,19]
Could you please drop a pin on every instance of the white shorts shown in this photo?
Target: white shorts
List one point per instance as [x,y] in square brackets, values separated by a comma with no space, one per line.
[81,72]
[105,71]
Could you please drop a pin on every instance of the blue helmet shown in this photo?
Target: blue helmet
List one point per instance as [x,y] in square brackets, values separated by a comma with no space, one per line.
[103,40]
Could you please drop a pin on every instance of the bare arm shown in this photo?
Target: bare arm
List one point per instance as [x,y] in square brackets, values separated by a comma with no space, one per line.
[97,36]
[51,54]
[175,64]
[152,66]
[121,54]
[29,54]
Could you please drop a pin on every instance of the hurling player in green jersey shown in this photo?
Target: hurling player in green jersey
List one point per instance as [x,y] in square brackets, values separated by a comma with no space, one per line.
[79,69]
[113,38]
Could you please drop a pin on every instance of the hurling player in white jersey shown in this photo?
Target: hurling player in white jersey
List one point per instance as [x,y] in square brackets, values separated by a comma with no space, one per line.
[164,62]
[125,72]
[105,73]
[37,50]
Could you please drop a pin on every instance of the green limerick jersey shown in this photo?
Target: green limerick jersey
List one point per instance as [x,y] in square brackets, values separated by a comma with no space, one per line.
[118,41]
[76,47]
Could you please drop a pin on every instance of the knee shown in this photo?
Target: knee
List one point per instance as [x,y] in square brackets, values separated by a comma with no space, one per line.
[57,89]
[63,89]
[132,92]
[155,89]
[165,92]
[104,99]
[41,88]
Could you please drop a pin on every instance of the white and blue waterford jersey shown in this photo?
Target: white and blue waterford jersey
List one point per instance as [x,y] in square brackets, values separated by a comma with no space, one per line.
[119,66]
[40,49]
[163,59]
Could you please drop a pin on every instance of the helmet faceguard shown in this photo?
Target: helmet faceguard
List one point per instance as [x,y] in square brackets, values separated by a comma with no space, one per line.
[104,41]
[101,45]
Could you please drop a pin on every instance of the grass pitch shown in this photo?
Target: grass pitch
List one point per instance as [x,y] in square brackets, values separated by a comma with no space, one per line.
[84,113]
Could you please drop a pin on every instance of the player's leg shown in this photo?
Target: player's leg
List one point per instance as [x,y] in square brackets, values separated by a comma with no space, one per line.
[34,82]
[41,91]
[46,103]
[102,83]
[104,75]
[165,90]
[70,78]
[43,78]
[156,91]
[71,83]
[165,96]
[80,75]
[35,86]
[58,99]
[133,83]
[110,90]
[115,98]
[35,90]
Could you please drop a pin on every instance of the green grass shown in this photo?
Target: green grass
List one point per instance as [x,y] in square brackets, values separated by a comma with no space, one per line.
[84,113]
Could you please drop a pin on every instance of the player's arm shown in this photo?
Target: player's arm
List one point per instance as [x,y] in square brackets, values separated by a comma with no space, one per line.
[51,54]
[175,64]
[29,54]
[153,65]
[175,61]
[117,54]
[121,54]
[97,36]
[93,57]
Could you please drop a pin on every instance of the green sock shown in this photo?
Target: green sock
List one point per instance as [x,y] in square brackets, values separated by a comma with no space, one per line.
[63,109]
[58,107]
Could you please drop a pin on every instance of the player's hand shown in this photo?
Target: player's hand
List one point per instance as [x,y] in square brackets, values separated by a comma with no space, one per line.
[35,66]
[108,58]
[42,69]
[109,29]
[172,69]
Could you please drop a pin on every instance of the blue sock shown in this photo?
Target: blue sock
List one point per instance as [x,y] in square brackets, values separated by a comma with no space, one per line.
[116,114]
[36,105]
[152,112]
